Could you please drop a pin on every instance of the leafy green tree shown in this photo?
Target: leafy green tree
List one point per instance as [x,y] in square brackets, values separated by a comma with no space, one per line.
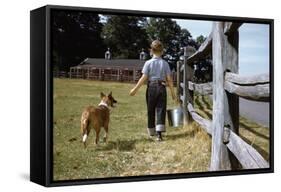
[184,38]
[173,37]
[75,36]
[125,35]
[200,39]
[166,30]
[170,33]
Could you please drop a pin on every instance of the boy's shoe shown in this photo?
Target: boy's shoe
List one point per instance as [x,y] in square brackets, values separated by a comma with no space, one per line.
[159,136]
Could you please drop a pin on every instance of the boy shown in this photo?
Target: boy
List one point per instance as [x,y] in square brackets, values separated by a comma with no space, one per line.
[157,72]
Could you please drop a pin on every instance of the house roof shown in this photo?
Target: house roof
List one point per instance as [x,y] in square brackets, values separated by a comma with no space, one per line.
[112,63]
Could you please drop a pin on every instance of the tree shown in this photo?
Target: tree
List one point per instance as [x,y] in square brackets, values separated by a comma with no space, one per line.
[171,35]
[200,39]
[125,35]
[75,36]
[184,38]
[166,30]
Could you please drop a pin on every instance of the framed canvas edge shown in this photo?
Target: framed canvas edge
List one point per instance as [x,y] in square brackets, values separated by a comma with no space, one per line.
[49,182]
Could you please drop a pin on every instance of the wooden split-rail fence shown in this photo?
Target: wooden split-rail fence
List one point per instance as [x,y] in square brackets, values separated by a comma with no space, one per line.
[226,88]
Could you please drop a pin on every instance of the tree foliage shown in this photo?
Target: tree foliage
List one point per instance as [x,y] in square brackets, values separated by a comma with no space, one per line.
[78,35]
[125,35]
[167,31]
[75,36]
[200,39]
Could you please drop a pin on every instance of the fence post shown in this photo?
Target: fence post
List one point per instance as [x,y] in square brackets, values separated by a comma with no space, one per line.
[178,79]
[219,157]
[187,94]
[230,59]
[231,101]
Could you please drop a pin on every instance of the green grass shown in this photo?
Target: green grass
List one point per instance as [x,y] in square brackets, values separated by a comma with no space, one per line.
[129,151]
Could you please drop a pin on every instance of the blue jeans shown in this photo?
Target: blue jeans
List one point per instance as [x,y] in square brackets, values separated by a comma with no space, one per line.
[156,100]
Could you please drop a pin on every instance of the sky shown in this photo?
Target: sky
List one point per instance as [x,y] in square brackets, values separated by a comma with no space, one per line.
[253,44]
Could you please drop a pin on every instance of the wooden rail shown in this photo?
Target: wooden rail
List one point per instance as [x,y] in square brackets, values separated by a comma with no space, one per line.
[226,88]
[247,80]
[202,89]
[248,156]
[245,153]
[258,92]
[203,50]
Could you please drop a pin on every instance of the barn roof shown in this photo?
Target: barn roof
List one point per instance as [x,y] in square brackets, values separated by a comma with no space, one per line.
[112,63]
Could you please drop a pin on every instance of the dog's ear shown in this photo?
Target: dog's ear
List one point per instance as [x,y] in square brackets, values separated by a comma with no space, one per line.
[110,94]
[102,95]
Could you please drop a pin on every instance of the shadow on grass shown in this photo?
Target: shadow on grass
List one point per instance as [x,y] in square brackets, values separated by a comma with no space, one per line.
[186,134]
[202,109]
[206,103]
[120,145]
[130,145]
[250,129]
[199,104]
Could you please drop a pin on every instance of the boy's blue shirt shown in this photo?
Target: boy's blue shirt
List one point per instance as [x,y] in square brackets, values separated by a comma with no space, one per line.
[156,68]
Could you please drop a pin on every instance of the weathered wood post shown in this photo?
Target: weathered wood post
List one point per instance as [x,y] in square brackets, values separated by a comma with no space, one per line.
[178,79]
[187,94]
[230,61]
[219,157]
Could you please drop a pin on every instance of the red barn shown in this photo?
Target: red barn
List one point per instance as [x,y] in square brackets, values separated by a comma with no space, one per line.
[108,69]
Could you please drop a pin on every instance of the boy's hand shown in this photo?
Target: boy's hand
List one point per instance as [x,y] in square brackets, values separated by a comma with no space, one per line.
[133,92]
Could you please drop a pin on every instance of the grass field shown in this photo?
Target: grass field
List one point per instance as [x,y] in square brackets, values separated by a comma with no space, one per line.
[129,151]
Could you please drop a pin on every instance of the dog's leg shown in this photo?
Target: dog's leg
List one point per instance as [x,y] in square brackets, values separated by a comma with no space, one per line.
[105,137]
[85,136]
[97,136]
[106,134]
[84,140]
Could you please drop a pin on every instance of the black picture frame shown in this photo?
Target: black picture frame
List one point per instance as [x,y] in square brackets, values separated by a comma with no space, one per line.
[41,97]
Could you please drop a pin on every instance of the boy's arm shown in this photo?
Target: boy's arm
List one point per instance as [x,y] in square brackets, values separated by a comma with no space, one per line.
[171,86]
[141,81]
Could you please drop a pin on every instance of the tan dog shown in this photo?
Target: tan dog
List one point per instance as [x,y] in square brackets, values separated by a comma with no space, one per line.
[97,117]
